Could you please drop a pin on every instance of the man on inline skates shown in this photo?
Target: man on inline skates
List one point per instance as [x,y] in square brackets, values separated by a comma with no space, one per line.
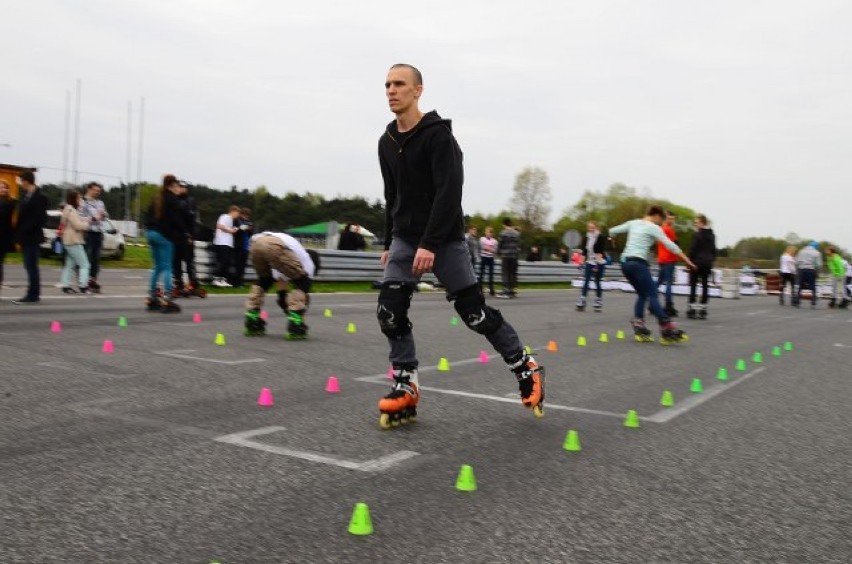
[279,258]
[421,166]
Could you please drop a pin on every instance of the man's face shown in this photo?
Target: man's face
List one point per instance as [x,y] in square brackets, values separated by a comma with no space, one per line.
[670,219]
[472,231]
[591,227]
[400,89]
[95,192]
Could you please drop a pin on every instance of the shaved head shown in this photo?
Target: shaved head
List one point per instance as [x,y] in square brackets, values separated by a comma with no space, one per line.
[418,77]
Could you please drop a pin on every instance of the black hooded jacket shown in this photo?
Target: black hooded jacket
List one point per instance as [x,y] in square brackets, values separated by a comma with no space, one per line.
[423,177]
[703,250]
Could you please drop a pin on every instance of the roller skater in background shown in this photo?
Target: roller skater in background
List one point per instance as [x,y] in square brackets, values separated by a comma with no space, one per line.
[280,259]
[837,271]
[667,262]
[165,225]
[594,265]
[641,236]
[703,254]
[185,250]
[421,166]
[808,263]
[787,269]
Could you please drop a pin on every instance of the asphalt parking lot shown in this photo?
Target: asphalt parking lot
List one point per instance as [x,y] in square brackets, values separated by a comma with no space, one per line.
[158,451]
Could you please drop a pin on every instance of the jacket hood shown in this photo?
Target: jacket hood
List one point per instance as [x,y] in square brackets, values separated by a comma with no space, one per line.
[429,119]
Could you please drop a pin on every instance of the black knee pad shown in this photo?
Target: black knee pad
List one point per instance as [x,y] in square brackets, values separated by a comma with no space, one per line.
[392,311]
[265,282]
[282,300]
[476,314]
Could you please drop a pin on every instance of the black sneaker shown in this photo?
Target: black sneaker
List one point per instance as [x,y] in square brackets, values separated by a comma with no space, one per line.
[68,290]
[26,301]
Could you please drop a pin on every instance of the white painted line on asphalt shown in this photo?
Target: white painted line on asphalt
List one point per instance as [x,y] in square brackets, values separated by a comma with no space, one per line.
[374,465]
[132,277]
[694,400]
[843,346]
[180,354]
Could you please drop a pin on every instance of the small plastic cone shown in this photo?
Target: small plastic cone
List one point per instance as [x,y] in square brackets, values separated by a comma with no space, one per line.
[360,523]
[776,351]
[220,339]
[122,322]
[604,338]
[107,347]
[552,346]
[696,387]
[741,365]
[572,442]
[351,328]
[265,398]
[327,312]
[528,349]
[581,341]
[264,314]
[55,327]
[444,365]
[722,374]
[667,400]
[454,321]
[466,482]
[632,419]
[483,357]
[788,346]
[332,386]
[619,334]
[390,372]
[196,318]
[757,358]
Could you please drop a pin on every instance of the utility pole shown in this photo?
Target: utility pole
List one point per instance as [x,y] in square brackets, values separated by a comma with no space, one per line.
[139,158]
[127,163]
[77,134]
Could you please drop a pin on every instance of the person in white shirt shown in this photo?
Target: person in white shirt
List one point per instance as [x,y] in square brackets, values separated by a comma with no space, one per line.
[223,246]
[788,272]
[279,258]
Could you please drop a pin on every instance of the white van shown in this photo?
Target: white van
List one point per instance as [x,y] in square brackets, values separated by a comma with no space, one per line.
[113,239]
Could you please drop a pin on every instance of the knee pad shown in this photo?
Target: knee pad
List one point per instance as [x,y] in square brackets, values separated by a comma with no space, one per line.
[282,300]
[265,282]
[476,314]
[392,311]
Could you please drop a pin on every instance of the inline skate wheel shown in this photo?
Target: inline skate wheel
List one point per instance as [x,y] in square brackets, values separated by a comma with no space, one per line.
[538,411]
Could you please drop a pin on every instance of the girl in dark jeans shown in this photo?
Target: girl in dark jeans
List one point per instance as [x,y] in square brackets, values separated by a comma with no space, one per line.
[703,254]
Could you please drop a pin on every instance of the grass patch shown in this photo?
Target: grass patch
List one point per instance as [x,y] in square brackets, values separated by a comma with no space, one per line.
[134,257]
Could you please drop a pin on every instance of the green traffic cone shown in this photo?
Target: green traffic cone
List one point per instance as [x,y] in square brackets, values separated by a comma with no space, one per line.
[632,419]
[360,523]
[619,334]
[327,312]
[788,346]
[722,374]
[444,365]
[696,387]
[776,351]
[466,481]
[757,358]
[220,339]
[351,328]
[122,322]
[741,365]
[604,338]
[581,341]
[527,349]
[667,400]
[454,321]
[572,442]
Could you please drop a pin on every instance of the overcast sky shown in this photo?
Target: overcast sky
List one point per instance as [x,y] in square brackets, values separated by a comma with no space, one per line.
[738,109]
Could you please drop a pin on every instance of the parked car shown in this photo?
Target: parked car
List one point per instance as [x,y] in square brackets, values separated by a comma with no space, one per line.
[113,240]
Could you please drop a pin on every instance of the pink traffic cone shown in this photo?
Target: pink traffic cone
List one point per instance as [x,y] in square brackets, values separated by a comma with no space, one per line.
[55,327]
[390,372]
[332,386]
[483,357]
[265,398]
[107,348]
[264,315]
[196,318]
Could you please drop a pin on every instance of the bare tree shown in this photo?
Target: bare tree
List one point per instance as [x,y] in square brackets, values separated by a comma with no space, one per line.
[531,197]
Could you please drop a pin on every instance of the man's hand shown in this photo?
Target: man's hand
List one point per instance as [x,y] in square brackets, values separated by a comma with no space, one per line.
[383,260]
[423,262]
